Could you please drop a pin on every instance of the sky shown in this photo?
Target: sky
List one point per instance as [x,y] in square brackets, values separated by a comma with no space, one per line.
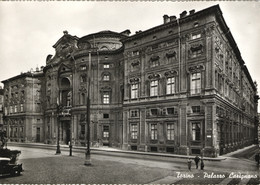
[28,30]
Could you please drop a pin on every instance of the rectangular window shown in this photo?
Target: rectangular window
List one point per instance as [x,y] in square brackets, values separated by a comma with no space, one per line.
[106,66]
[154,131]
[154,63]
[195,87]
[134,91]
[170,85]
[133,130]
[82,130]
[15,108]
[134,113]
[106,131]
[196,36]
[83,67]
[106,98]
[21,107]
[106,78]
[195,109]
[170,131]
[135,53]
[105,115]
[21,132]
[11,109]
[154,112]
[196,131]
[154,88]
[171,110]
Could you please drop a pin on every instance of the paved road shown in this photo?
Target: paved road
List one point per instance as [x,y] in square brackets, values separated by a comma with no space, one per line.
[43,166]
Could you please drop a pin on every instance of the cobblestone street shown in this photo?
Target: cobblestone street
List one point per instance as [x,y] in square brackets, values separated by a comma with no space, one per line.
[43,166]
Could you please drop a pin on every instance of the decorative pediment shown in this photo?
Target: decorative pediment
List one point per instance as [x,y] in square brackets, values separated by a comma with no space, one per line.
[83,89]
[171,73]
[171,54]
[196,47]
[84,45]
[196,68]
[135,63]
[106,88]
[134,80]
[154,58]
[154,76]
[64,68]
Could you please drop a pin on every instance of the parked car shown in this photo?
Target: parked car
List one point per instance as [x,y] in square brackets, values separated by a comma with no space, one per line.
[6,168]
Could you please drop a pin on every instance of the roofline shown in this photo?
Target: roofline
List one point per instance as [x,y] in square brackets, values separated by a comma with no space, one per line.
[171,23]
[249,77]
[220,19]
[68,35]
[103,33]
[27,74]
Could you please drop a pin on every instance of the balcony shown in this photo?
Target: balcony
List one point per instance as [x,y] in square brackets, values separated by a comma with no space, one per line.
[65,111]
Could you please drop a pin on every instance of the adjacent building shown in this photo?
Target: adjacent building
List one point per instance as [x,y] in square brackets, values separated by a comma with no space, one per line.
[23,107]
[181,87]
[1,106]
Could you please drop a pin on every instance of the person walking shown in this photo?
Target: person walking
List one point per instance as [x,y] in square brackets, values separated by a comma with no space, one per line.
[197,160]
[201,164]
[189,164]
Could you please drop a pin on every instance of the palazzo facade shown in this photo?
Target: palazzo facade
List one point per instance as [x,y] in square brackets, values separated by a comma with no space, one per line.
[181,87]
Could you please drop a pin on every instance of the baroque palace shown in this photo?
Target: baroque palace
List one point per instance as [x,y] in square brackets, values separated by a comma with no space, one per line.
[181,87]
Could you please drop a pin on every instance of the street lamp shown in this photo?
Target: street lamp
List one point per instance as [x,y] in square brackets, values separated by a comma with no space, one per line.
[87,154]
[58,122]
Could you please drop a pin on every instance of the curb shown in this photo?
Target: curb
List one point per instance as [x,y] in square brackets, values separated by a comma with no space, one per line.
[111,150]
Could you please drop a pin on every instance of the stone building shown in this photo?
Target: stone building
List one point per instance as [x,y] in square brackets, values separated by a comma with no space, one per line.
[181,87]
[23,107]
[187,89]
[1,106]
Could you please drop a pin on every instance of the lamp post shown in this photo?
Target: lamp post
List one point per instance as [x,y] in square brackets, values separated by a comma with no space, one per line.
[58,122]
[87,154]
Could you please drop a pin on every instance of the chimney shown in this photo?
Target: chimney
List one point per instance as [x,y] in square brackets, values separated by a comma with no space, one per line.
[166,19]
[183,14]
[173,18]
[37,69]
[192,12]
[65,32]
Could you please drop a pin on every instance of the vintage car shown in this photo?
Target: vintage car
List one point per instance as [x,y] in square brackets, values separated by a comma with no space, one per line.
[6,168]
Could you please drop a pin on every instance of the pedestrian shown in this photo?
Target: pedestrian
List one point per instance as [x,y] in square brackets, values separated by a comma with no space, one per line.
[201,164]
[197,160]
[189,163]
[257,157]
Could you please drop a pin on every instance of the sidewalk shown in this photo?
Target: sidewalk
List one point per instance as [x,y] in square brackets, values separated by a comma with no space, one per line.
[239,151]
[109,150]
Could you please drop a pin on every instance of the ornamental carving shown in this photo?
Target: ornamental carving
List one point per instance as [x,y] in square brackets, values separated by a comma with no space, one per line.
[134,80]
[210,30]
[83,89]
[171,73]
[154,76]
[106,88]
[196,47]
[197,68]
[154,58]
[135,63]
[171,54]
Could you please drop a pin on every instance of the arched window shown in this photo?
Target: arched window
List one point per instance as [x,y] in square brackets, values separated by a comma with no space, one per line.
[82,98]
[69,99]
[83,78]
[106,77]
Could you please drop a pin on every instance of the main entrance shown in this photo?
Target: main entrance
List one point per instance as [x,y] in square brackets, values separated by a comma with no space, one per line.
[65,132]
